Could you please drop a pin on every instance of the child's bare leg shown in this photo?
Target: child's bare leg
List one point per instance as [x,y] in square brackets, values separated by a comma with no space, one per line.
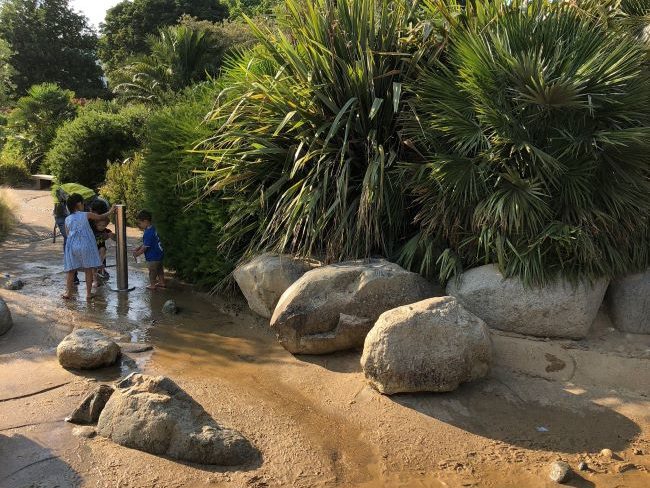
[153,275]
[69,284]
[90,275]
[102,255]
[161,276]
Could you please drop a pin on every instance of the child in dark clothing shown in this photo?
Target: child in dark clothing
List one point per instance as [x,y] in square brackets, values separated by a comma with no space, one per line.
[102,234]
[152,250]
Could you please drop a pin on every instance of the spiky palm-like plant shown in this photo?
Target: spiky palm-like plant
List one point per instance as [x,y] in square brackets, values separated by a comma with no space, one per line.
[536,144]
[180,55]
[311,141]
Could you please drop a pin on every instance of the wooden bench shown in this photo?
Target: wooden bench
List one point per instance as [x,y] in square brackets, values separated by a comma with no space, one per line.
[41,182]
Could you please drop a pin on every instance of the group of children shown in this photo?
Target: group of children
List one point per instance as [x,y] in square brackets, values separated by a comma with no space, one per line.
[86,234]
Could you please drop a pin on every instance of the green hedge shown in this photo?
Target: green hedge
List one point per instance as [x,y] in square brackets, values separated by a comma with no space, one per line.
[84,146]
[190,233]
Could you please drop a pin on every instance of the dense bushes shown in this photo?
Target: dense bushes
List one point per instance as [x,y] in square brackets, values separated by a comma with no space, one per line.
[124,185]
[84,145]
[536,144]
[32,124]
[13,171]
[311,142]
[191,234]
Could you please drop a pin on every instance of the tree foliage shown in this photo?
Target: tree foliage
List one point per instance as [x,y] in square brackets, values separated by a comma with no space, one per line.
[50,43]
[32,124]
[180,56]
[7,73]
[535,144]
[129,24]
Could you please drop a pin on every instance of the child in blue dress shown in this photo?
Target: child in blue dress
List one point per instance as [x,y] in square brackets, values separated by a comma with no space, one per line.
[81,247]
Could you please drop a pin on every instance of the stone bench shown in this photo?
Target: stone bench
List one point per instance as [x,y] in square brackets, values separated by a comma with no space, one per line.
[42,182]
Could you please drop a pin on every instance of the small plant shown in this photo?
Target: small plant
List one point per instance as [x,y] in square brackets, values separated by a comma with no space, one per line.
[7,214]
[124,185]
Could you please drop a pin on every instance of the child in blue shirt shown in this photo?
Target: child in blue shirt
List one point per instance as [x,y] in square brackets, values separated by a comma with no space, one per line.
[152,250]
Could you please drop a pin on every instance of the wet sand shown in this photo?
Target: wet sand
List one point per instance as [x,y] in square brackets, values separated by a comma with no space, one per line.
[313,418]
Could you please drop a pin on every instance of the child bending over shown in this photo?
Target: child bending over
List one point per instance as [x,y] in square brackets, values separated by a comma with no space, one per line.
[152,250]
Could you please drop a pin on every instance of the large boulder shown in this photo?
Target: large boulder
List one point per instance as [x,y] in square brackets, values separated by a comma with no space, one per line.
[87,349]
[432,345]
[265,278]
[155,415]
[332,308]
[628,299]
[6,322]
[556,310]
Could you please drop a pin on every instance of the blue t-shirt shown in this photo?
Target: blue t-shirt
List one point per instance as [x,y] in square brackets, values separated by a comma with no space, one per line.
[150,239]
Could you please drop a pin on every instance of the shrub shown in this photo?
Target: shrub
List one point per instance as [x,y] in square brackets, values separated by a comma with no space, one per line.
[536,144]
[190,233]
[32,125]
[124,185]
[312,139]
[13,172]
[83,146]
[7,215]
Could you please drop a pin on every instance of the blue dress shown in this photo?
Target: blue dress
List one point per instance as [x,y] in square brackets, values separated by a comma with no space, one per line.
[80,248]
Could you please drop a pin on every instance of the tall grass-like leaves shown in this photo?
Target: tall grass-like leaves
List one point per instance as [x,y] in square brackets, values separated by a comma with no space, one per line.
[309,129]
[536,144]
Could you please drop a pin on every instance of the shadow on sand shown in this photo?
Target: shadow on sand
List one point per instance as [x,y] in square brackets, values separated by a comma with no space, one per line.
[27,463]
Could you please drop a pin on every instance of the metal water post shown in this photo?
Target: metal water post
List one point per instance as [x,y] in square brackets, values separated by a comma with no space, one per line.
[121,251]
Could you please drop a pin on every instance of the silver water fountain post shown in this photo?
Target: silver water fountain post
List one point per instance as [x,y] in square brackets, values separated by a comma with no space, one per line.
[121,251]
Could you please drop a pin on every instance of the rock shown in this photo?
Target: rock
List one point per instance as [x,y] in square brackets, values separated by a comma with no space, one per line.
[89,410]
[6,322]
[583,466]
[13,284]
[623,467]
[628,300]
[556,310]
[607,453]
[637,452]
[87,349]
[135,347]
[265,278]
[154,415]
[170,307]
[87,432]
[432,345]
[560,471]
[332,308]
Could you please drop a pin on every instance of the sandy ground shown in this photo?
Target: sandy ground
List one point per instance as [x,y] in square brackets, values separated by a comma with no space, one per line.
[314,420]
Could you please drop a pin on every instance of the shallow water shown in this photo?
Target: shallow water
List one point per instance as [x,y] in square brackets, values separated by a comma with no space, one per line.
[314,419]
